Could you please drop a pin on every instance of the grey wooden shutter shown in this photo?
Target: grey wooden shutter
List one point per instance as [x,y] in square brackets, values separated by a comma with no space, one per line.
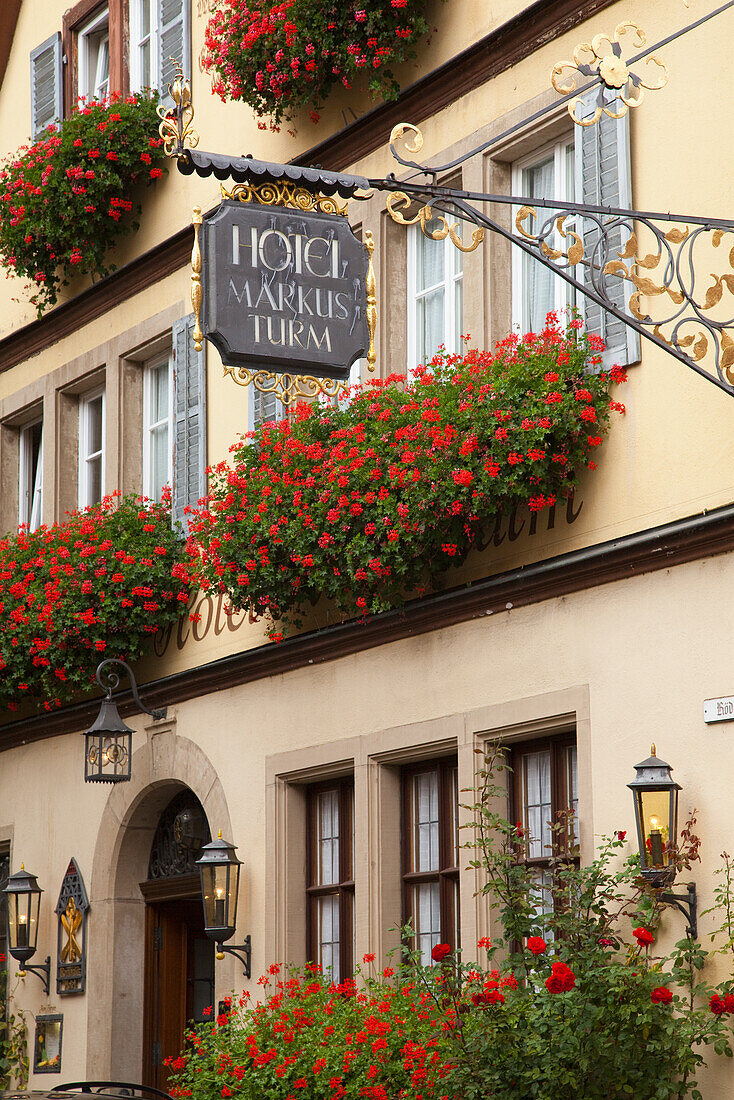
[174,41]
[265,406]
[603,178]
[189,404]
[46,83]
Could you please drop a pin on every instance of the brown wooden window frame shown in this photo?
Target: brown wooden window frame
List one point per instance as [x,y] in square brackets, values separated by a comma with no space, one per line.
[557,744]
[447,874]
[73,21]
[344,888]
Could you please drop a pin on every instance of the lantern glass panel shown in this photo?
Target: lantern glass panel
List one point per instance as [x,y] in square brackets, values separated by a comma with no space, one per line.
[23,920]
[220,881]
[657,817]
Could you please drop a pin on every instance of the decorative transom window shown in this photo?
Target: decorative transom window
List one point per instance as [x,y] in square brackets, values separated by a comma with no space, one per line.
[330,877]
[544,790]
[91,448]
[157,435]
[94,57]
[30,475]
[547,174]
[431,854]
[434,295]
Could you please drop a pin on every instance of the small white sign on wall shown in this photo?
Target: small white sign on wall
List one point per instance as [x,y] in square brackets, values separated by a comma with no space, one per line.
[719,710]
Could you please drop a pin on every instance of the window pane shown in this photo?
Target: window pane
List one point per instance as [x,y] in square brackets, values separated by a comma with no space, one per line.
[458,314]
[144,6]
[537,803]
[159,394]
[572,781]
[541,898]
[426,914]
[328,838]
[94,480]
[328,934]
[159,460]
[430,324]
[425,816]
[94,426]
[537,280]
[431,257]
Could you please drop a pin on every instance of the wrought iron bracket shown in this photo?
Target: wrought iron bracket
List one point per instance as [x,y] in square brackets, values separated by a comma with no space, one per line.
[241,951]
[41,970]
[687,904]
[113,682]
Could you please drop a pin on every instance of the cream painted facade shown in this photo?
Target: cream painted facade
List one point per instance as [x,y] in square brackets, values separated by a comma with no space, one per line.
[621,654]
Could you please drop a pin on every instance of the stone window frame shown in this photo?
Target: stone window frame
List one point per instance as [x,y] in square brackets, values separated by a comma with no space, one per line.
[376,759]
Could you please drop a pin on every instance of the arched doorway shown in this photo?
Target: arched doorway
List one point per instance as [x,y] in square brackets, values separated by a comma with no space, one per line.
[179,957]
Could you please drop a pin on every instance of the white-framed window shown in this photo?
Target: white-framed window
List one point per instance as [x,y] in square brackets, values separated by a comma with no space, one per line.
[94,57]
[143,44]
[91,447]
[435,276]
[548,173]
[157,435]
[30,475]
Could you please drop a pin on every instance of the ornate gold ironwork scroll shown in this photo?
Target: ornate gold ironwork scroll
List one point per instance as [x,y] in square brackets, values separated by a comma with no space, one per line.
[196,291]
[620,88]
[371,301]
[425,215]
[176,126]
[283,193]
[286,387]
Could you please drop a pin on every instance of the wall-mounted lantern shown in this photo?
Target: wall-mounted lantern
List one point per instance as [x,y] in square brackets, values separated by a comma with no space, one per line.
[24,901]
[108,741]
[655,794]
[219,869]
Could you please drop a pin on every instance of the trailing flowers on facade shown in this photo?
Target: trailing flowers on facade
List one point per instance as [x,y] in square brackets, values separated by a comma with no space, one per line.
[366,503]
[92,587]
[65,199]
[290,55]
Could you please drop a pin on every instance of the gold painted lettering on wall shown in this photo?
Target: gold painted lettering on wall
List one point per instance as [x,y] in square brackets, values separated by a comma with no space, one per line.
[211,615]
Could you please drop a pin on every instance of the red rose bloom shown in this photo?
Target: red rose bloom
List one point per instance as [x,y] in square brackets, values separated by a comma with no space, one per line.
[536,945]
[643,936]
[717,1005]
[440,951]
[661,995]
[562,979]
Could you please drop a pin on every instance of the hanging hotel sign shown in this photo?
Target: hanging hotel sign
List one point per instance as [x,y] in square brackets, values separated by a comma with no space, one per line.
[284,289]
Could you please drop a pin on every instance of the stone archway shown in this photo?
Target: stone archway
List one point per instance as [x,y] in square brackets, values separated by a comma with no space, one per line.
[163,766]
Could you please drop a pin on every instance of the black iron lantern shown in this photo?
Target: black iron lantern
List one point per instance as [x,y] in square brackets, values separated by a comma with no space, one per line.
[108,741]
[24,901]
[655,794]
[656,814]
[219,869]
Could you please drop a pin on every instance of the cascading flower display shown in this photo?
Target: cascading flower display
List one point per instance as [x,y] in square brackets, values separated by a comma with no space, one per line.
[285,56]
[365,503]
[68,196]
[94,586]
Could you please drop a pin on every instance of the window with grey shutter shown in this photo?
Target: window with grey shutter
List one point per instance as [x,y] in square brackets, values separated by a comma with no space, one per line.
[603,178]
[174,41]
[189,443]
[46,83]
[265,406]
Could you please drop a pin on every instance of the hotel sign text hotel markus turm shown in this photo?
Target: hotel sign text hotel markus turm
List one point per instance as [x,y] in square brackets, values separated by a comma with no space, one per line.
[284,289]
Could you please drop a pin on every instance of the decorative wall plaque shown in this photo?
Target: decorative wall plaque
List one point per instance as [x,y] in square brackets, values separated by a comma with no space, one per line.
[284,289]
[71,909]
[47,1045]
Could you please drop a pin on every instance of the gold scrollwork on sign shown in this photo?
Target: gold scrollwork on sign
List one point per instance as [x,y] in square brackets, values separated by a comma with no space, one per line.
[196,290]
[424,216]
[176,126]
[71,922]
[286,387]
[283,193]
[602,57]
[414,143]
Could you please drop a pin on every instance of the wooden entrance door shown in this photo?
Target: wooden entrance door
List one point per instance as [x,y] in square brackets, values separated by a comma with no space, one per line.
[179,981]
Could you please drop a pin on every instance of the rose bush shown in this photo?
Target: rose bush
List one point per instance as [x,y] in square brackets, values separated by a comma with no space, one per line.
[281,57]
[595,1014]
[94,586]
[364,503]
[66,198]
